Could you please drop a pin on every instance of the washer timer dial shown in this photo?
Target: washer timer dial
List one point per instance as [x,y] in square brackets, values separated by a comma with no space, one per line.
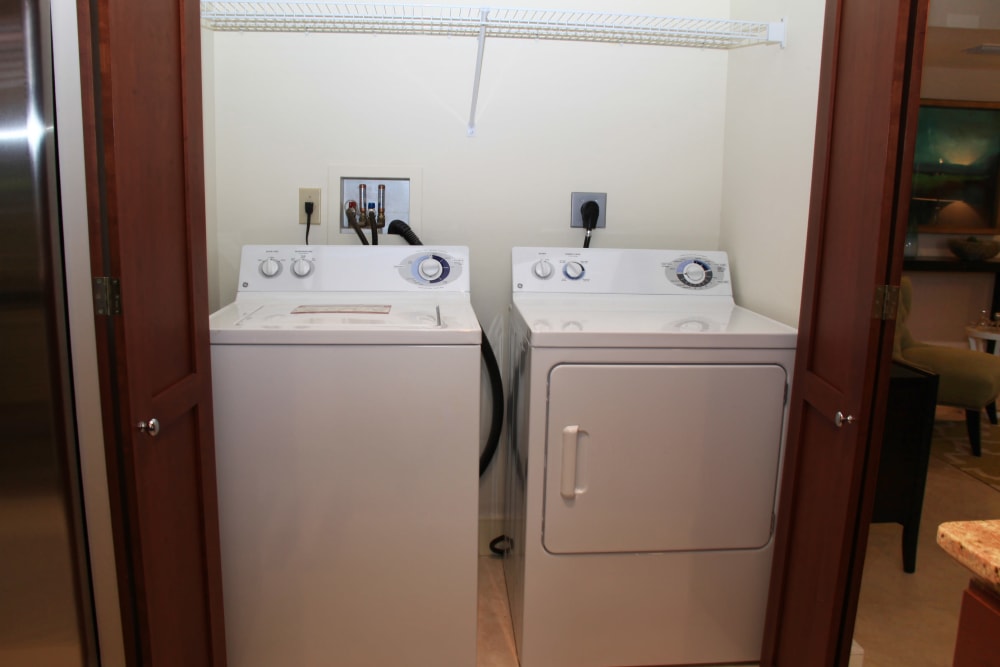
[430,268]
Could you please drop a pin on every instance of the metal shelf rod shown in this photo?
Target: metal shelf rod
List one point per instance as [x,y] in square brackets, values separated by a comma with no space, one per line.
[567,25]
[479,70]
[452,21]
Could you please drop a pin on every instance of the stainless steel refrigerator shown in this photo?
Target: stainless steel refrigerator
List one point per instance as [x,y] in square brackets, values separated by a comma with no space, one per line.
[46,604]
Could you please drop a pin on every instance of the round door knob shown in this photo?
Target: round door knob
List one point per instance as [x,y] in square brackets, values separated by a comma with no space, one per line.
[151,428]
[542,269]
[430,268]
[270,267]
[573,270]
[840,419]
[302,267]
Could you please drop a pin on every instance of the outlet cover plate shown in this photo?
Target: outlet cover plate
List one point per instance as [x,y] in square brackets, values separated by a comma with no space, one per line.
[314,195]
[578,199]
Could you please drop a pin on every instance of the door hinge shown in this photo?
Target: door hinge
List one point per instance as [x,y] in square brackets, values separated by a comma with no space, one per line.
[107,296]
[886,302]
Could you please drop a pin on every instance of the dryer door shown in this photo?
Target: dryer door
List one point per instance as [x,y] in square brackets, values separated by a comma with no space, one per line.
[649,458]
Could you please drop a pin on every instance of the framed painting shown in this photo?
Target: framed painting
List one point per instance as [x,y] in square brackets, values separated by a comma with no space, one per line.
[956,168]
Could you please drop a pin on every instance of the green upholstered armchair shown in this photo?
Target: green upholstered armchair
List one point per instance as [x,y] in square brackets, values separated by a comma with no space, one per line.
[967,379]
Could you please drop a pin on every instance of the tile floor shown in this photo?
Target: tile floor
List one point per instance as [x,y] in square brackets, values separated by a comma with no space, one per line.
[495,646]
[910,620]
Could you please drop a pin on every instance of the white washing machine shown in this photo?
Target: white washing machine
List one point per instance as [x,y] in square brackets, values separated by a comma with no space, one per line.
[648,421]
[346,384]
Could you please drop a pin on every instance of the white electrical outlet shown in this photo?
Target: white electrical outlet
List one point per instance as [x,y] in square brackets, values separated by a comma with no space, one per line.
[310,195]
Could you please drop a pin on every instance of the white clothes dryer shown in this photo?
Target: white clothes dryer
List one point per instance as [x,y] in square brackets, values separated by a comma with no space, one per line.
[647,434]
[346,386]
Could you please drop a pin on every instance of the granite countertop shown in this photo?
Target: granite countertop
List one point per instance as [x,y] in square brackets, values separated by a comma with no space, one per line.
[976,545]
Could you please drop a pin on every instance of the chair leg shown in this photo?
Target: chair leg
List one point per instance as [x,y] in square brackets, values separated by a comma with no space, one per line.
[911,529]
[991,412]
[972,418]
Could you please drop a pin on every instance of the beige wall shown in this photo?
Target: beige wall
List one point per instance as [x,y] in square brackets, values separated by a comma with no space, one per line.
[644,124]
[695,148]
[770,131]
[698,149]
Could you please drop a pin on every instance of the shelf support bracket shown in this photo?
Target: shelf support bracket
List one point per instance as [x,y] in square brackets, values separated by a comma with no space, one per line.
[776,32]
[483,15]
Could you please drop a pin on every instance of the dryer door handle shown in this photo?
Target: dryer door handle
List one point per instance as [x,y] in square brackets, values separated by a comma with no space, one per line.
[570,444]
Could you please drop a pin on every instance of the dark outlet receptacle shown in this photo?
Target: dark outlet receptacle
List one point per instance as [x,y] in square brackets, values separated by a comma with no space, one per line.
[578,199]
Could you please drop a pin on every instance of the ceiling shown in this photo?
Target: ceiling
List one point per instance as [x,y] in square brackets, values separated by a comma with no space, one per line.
[957,25]
[947,47]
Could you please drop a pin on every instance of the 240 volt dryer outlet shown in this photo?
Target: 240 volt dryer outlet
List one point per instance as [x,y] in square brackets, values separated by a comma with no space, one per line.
[578,199]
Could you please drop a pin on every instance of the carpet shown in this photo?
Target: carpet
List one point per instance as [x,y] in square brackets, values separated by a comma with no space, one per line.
[950,443]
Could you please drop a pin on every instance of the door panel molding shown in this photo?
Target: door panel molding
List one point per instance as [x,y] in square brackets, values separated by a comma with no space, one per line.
[141,80]
[871,52]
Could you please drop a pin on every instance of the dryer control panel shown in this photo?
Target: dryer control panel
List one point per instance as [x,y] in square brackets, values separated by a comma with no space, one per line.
[616,271]
[283,268]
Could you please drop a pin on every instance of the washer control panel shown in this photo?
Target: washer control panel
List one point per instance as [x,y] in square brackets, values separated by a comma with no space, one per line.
[616,271]
[430,268]
[387,268]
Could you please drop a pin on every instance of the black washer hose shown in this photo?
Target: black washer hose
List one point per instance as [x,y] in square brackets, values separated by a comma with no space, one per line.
[496,390]
[403,229]
[492,368]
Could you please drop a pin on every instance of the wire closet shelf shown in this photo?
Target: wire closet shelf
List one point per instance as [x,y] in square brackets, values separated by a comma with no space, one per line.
[452,21]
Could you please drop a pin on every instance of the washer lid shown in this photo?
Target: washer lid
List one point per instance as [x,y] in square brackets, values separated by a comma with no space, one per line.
[614,321]
[347,318]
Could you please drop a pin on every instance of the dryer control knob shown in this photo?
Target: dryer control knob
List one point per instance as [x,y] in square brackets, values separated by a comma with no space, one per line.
[270,267]
[542,269]
[302,267]
[573,270]
[430,268]
[695,273]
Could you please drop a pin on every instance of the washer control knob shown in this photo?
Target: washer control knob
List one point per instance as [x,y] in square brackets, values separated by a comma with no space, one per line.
[430,268]
[270,267]
[302,267]
[573,270]
[542,269]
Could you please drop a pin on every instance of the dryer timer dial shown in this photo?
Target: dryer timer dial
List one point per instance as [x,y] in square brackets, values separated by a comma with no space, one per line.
[573,270]
[693,273]
[542,269]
